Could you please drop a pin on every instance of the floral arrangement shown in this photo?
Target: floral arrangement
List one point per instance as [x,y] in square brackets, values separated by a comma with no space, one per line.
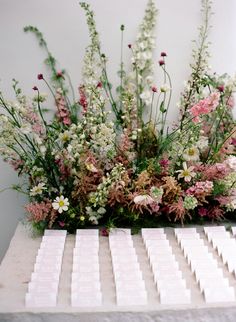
[112,160]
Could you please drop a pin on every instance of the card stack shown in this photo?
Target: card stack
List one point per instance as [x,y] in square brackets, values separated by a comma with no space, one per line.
[223,243]
[214,286]
[129,283]
[85,282]
[167,276]
[43,287]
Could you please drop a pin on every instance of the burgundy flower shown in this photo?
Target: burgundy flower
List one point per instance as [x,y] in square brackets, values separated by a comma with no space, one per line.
[99,85]
[221,88]
[202,212]
[161,62]
[154,89]
[35,88]
[104,232]
[130,46]
[40,76]
[163,54]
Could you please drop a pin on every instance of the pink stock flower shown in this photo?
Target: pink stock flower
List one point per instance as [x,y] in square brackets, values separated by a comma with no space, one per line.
[205,106]
[62,112]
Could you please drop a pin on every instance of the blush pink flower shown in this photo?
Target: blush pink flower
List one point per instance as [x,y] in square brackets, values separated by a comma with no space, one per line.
[205,106]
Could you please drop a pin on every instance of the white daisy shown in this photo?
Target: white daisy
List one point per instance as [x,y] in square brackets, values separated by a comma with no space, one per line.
[191,154]
[61,204]
[37,190]
[187,173]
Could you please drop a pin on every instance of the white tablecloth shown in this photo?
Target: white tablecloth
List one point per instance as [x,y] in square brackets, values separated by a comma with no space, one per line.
[17,266]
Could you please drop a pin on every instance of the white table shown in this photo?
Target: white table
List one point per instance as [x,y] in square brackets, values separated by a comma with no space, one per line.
[17,266]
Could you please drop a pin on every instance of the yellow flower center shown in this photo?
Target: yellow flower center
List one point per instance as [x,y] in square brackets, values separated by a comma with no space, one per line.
[185,173]
[61,203]
[191,152]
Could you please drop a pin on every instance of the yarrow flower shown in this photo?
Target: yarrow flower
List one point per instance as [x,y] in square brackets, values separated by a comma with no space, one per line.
[60,204]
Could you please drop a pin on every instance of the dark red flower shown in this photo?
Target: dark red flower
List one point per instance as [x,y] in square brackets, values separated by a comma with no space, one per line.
[161,62]
[99,85]
[35,88]
[221,88]
[104,232]
[154,89]
[129,45]
[40,76]
[202,212]
[163,54]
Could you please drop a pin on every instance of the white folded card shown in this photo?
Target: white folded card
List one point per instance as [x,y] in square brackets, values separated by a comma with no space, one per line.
[132,258]
[165,266]
[152,230]
[55,232]
[205,273]
[120,231]
[129,277]
[119,273]
[131,298]
[44,257]
[45,286]
[193,236]
[41,300]
[85,268]
[173,275]
[120,237]
[85,252]
[171,285]
[192,243]
[185,230]
[46,269]
[214,236]
[87,245]
[87,237]
[121,243]
[86,300]
[162,258]
[221,294]
[123,286]
[213,283]
[159,251]
[78,277]
[50,252]
[53,239]
[233,229]
[175,297]
[214,228]
[157,242]
[45,276]
[88,289]
[79,260]
[155,237]
[50,266]
[81,284]
[87,232]
[231,264]
[205,264]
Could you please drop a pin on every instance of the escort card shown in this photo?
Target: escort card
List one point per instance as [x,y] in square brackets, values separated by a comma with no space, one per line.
[175,297]
[221,294]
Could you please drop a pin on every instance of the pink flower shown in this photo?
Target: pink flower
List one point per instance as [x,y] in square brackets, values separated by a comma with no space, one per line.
[205,106]
[161,62]
[63,114]
[61,223]
[83,99]
[99,85]
[60,74]
[154,89]
[221,88]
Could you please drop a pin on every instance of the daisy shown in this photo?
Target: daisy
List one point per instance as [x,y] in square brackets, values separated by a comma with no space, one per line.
[191,154]
[37,190]
[187,173]
[61,204]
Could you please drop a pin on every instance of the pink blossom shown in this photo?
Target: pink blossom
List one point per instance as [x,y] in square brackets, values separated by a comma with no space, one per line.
[63,114]
[205,106]
[83,99]
[200,188]
[230,102]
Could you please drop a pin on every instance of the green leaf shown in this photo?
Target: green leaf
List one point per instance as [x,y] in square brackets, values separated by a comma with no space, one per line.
[162,107]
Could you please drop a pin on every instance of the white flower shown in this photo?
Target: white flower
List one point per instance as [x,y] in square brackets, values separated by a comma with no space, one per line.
[143,200]
[231,162]
[187,173]
[65,136]
[202,142]
[191,154]
[164,88]
[37,190]
[26,129]
[61,204]
[146,96]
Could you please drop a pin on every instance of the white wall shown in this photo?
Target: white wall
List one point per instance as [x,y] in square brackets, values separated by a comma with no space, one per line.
[63,24]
